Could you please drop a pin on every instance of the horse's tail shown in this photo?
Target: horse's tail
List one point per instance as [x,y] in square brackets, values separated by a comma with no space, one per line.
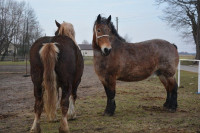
[48,54]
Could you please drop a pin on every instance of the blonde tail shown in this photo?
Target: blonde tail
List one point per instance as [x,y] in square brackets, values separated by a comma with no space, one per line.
[48,54]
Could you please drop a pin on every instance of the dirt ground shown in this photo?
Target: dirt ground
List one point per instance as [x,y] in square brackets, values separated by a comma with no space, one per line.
[139,105]
[17,100]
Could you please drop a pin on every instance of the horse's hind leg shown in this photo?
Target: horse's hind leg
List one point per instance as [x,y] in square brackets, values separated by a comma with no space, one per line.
[71,111]
[66,92]
[109,85]
[37,108]
[171,88]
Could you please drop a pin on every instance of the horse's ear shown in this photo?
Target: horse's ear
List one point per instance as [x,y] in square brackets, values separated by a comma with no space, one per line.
[108,19]
[99,18]
[58,24]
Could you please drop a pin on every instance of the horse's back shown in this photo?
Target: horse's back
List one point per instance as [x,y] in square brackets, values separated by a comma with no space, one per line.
[165,55]
[162,50]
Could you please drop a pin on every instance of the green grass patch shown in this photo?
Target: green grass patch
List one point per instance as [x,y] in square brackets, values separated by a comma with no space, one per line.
[187,57]
[88,60]
[139,109]
[14,62]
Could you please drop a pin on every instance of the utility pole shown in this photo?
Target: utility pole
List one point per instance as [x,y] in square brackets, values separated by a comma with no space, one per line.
[117,23]
[27,50]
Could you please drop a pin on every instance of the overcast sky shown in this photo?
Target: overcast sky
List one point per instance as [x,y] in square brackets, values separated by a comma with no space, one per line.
[139,19]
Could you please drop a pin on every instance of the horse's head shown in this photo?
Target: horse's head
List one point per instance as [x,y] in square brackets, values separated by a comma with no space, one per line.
[65,29]
[101,34]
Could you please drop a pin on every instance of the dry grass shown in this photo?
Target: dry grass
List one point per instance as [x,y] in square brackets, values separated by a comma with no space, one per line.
[187,57]
[139,109]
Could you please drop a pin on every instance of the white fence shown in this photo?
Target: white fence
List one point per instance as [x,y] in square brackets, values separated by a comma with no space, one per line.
[179,68]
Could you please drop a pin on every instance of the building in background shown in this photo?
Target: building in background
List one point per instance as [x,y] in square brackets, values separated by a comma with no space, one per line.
[86,49]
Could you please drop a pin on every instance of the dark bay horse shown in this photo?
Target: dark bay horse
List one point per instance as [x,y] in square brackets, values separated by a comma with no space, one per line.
[55,62]
[114,59]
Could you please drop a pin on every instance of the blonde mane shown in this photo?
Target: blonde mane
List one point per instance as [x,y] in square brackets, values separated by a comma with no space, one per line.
[67,29]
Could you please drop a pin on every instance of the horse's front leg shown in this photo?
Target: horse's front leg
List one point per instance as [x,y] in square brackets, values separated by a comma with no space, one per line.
[109,85]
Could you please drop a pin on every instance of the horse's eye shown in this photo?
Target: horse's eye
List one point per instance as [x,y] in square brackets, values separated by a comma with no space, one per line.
[99,30]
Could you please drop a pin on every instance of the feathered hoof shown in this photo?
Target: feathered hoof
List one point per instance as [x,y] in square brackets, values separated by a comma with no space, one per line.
[61,130]
[71,117]
[36,130]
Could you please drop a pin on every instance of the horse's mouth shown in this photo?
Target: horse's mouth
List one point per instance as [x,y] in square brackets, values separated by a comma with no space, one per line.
[104,54]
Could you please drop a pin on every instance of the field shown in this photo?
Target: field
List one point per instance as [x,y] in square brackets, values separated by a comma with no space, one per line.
[139,106]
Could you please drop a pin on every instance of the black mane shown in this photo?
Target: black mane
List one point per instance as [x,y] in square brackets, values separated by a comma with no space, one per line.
[112,27]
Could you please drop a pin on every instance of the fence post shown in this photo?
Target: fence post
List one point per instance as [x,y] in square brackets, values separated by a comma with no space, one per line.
[199,78]
[179,68]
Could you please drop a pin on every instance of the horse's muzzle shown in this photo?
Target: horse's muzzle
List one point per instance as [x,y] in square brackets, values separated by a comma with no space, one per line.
[106,51]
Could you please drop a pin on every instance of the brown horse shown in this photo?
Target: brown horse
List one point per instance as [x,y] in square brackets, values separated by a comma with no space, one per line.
[114,59]
[55,62]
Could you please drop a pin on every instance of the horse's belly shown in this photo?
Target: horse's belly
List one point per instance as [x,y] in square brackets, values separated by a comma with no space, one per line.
[134,76]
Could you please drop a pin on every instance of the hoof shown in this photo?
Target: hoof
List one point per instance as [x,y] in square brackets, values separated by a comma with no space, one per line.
[172,110]
[106,113]
[61,130]
[38,130]
[71,117]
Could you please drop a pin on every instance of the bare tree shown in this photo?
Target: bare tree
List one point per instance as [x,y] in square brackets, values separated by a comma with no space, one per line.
[18,25]
[127,38]
[85,42]
[184,15]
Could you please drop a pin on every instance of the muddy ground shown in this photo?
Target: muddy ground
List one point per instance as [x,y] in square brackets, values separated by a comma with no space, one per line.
[17,100]
[139,105]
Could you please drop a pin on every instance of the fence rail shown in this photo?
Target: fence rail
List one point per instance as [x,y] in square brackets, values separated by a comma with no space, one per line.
[179,68]
[12,58]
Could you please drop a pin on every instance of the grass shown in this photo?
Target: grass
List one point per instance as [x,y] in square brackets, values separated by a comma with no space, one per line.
[187,57]
[139,109]
[87,61]
[14,62]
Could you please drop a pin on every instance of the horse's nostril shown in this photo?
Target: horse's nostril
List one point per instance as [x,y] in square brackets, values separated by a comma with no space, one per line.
[106,50]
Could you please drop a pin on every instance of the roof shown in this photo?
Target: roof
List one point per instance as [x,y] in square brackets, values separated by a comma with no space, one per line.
[85,46]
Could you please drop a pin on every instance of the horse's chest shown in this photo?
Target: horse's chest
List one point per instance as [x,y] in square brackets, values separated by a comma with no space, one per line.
[104,67]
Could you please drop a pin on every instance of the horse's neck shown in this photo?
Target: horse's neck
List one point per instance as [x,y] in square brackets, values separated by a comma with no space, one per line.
[116,43]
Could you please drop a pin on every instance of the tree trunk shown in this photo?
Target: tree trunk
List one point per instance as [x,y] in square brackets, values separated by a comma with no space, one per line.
[198,31]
